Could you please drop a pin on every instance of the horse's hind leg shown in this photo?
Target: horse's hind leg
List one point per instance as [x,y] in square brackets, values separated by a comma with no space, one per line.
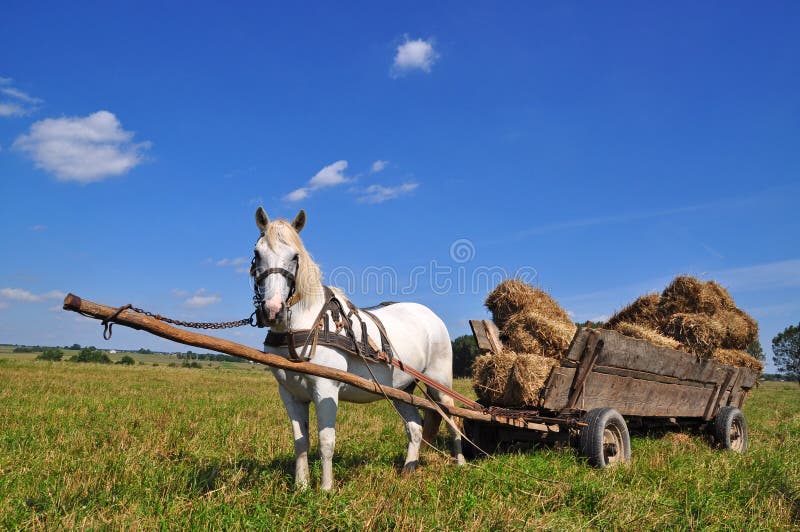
[298,415]
[454,432]
[413,431]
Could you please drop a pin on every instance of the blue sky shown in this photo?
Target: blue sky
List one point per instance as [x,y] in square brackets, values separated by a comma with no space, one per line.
[598,149]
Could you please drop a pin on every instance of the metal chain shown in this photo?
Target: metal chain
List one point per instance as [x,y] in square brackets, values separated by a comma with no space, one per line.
[199,324]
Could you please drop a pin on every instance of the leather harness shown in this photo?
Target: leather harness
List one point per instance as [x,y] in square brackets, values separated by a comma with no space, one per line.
[330,322]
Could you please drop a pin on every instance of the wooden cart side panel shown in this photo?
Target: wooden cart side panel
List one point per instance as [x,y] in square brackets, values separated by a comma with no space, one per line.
[624,352]
[556,390]
[578,344]
[630,396]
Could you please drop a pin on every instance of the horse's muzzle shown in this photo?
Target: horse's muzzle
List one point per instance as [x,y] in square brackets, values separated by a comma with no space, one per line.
[270,315]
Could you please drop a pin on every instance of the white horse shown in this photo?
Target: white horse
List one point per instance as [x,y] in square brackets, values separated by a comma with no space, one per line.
[418,336]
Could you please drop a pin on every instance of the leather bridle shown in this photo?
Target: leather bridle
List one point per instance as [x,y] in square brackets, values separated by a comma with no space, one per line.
[258,298]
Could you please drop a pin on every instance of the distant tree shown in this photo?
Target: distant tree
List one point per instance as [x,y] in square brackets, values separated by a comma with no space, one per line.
[126,360]
[52,353]
[591,324]
[755,350]
[786,352]
[91,354]
[75,346]
[28,349]
[465,349]
[144,351]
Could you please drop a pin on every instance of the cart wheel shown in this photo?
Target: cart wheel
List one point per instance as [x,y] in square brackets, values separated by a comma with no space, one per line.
[730,429]
[605,440]
[482,435]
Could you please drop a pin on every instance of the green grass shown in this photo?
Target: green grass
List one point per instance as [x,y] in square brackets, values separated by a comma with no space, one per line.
[85,445]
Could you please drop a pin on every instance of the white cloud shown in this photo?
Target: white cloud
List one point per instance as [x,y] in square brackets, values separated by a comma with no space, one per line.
[199,300]
[298,194]
[54,294]
[38,227]
[18,294]
[12,109]
[3,305]
[379,193]
[177,292]
[330,176]
[377,166]
[202,301]
[83,149]
[231,262]
[19,95]
[25,296]
[414,55]
[21,103]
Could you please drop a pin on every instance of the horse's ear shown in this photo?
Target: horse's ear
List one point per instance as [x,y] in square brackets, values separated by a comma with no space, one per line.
[299,221]
[262,220]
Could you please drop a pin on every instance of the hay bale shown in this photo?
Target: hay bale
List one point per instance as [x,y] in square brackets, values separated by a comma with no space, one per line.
[700,334]
[534,333]
[643,332]
[688,295]
[513,296]
[643,311]
[737,358]
[740,329]
[526,379]
[509,379]
[490,376]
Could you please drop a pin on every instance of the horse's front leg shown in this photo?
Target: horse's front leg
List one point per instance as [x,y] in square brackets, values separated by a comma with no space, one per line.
[326,401]
[298,415]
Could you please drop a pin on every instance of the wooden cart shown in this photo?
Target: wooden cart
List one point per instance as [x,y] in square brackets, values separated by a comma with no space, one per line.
[609,381]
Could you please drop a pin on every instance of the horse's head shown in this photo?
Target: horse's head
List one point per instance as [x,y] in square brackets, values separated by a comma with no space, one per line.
[283,272]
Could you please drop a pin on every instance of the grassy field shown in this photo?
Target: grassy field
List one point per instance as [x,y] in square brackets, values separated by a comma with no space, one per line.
[86,445]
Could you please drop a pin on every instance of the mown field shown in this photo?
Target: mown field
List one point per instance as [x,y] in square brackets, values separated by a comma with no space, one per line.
[87,445]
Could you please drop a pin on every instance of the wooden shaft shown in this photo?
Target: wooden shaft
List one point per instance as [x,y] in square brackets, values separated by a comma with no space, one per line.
[139,321]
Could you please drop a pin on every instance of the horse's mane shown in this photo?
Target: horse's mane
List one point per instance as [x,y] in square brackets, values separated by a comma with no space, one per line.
[308,281]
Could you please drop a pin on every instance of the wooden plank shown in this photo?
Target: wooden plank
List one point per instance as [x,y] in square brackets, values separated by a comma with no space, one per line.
[479,332]
[493,335]
[556,390]
[643,375]
[635,397]
[735,387]
[712,403]
[631,353]
[594,346]
[578,344]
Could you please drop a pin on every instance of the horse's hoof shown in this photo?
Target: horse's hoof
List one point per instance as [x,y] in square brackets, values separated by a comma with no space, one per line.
[409,468]
[460,460]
